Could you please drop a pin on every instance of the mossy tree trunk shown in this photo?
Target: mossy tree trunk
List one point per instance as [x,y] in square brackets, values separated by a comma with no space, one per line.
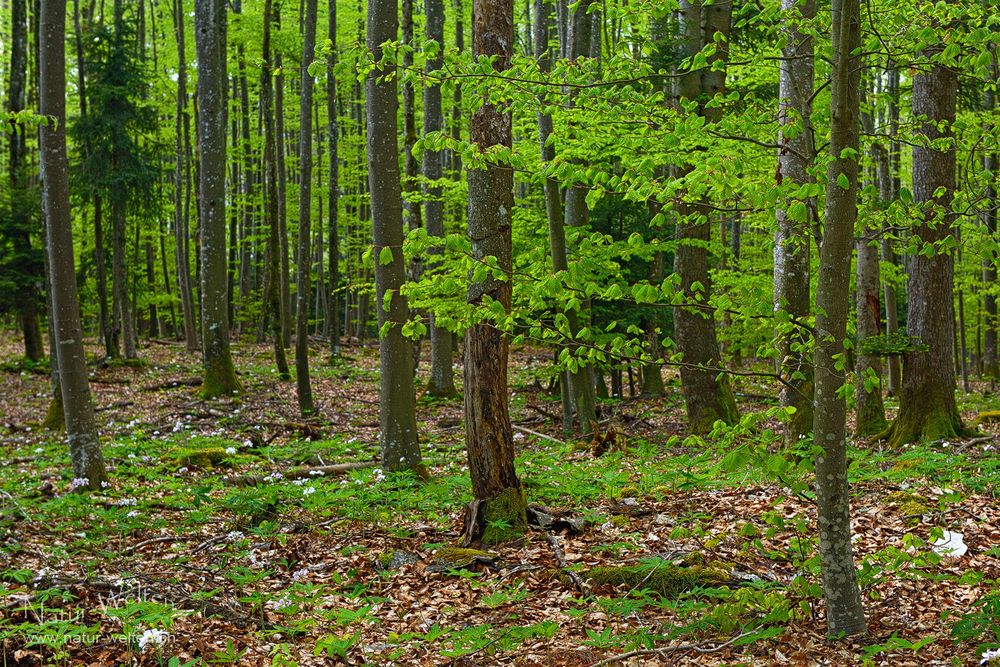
[488,436]
[845,612]
[210,37]
[927,407]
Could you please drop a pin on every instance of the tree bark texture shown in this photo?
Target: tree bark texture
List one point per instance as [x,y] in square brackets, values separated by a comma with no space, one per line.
[927,407]
[303,263]
[210,38]
[78,407]
[397,416]
[707,393]
[844,610]
[795,220]
[488,436]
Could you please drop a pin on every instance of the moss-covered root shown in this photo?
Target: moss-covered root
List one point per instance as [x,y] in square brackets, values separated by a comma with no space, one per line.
[935,425]
[55,420]
[664,578]
[500,519]
[220,379]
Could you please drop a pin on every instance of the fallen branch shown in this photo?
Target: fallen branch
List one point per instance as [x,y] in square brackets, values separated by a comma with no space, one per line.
[539,435]
[193,381]
[116,404]
[152,540]
[542,411]
[302,473]
[557,551]
[666,650]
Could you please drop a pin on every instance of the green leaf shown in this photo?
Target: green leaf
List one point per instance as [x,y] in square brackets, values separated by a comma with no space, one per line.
[843,181]
[385,256]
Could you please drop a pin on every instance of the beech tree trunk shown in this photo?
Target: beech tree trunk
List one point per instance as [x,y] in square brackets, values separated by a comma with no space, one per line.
[582,381]
[991,365]
[869,410]
[279,132]
[397,416]
[795,220]
[333,311]
[303,261]
[553,201]
[181,174]
[210,38]
[844,610]
[34,348]
[272,297]
[442,379]
[707,393]
[499,511]
[78,407]
[927,407]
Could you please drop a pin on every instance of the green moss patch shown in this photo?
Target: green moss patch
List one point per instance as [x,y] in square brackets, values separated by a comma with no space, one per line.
[662,577]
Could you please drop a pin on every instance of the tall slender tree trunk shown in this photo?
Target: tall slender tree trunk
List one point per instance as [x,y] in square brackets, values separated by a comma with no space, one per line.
[333,186]
[34,348]
[844,610]
[210,38]
[553,201]
[795,219]
[442,380]
[303,258]
[182,173]
[397,416]
[988,217]
[869,410]
[272,297]
[78,407]
[582,381]
[888,191]
[279,133]
[707,393]
[927,407]
[498,512]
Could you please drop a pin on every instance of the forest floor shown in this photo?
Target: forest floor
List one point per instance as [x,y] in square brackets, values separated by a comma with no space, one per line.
[185,558]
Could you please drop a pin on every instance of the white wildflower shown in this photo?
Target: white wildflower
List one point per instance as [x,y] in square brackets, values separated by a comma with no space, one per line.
[234,535]
[248,443]
[182,470]
[316,473]
[105,484]
[133,514]
[128,502]
[991,654]
[298,482]
[300,574]
[378,475]
[179,426]
[518,436]
[607,526]
[79,482]
[39,450]
[274,477]
[152,637]
[230,450]
[308,491]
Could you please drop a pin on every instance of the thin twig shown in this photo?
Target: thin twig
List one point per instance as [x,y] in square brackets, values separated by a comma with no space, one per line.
[577,580]
[666,650]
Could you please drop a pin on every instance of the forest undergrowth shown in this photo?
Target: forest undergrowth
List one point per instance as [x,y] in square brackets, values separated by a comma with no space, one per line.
[234,532]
